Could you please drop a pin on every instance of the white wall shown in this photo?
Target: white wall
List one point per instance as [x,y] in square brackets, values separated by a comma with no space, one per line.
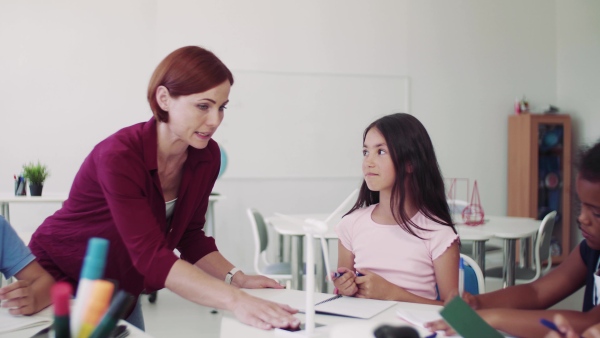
[578,73]
[72,70]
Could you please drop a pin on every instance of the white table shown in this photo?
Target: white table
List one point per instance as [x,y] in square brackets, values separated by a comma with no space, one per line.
[210,213]
[335,326]
[134,332]
[507,228]
[7,199]
[296,233]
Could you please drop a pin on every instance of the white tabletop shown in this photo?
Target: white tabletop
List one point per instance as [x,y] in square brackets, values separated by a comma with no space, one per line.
[505,227]
[61,197]
[335,326]
[134,332]
[11,198]
[285,227]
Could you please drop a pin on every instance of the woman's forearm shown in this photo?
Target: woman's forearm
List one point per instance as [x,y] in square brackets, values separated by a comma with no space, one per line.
[215,265]
[199,287]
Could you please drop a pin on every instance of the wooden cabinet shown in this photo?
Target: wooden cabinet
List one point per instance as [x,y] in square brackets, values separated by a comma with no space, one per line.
[539,172]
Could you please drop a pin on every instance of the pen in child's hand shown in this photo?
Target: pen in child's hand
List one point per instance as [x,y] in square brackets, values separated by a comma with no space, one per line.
[339,274]
[551,326]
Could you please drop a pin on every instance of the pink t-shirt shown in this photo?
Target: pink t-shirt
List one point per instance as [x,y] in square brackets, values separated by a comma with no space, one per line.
[393,253]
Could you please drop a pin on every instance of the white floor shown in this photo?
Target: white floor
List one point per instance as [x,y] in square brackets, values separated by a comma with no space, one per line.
[172,316]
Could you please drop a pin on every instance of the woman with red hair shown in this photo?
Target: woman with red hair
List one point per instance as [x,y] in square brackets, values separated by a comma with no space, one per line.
[146,189]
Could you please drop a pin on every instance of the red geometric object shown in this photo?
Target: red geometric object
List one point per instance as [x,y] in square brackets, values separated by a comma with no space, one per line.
[473,214]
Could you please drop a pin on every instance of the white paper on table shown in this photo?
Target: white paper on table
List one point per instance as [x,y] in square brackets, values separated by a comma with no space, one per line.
[419,317]
[325,303]
[9,323]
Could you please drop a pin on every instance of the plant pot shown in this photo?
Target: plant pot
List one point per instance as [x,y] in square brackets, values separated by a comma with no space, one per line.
[35,189]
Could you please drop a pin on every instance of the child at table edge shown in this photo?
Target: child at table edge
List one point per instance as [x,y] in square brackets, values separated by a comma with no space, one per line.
[517,310]
[31,292]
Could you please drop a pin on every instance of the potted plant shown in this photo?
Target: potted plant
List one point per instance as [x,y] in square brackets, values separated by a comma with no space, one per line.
[36,174]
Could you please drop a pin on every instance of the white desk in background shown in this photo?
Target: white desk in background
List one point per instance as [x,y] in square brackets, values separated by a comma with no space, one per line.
[336,326]
[286,228]
[507,228]
[7,199]
[210,213]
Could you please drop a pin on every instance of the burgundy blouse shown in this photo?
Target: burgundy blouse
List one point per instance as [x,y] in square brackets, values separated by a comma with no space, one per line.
[117,195]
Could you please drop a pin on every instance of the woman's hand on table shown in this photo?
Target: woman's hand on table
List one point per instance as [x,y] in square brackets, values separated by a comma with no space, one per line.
[241,280]
[264,314]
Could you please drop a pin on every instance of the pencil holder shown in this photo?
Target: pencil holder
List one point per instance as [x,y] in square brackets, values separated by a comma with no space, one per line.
[20,184]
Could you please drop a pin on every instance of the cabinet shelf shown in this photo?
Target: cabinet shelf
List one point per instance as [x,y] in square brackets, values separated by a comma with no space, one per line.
[539,173]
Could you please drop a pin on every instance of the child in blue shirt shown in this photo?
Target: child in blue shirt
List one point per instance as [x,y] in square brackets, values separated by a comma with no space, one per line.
[31,292]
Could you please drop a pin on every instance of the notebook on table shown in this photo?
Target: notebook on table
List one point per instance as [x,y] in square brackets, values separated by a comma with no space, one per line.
[326,303]
[10,323]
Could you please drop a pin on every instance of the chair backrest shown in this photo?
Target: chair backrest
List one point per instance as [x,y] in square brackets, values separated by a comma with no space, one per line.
[260,234]
[474,282]
[542,243]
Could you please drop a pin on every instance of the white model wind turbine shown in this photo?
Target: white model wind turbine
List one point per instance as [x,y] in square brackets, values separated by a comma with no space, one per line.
[317,228]
[312,228]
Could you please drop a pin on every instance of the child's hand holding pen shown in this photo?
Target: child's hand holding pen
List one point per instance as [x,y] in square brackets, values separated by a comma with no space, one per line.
[561,328]
[343,279]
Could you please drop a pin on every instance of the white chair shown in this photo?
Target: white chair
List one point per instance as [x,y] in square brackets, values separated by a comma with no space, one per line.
[470,262]
[541,253]
[280,271]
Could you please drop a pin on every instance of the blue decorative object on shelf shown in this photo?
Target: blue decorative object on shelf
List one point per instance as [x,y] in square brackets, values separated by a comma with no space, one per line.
[223,161]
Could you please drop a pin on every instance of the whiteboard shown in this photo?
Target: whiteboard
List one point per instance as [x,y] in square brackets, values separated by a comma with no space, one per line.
[292,125]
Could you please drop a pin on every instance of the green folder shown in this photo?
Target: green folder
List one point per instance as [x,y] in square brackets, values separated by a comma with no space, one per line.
[466,322]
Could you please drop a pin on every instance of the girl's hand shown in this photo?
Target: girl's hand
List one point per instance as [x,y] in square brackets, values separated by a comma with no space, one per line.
[242,280]
[345,283]
[371,285]
[18,297]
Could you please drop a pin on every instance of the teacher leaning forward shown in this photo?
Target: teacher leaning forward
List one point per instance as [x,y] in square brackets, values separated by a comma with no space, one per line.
[146,188]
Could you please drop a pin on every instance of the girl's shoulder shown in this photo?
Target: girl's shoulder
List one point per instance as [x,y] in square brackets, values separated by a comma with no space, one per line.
[356,215]
[361,212]
[430,224]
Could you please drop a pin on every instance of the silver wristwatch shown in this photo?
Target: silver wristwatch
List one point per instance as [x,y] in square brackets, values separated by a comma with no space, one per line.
[230,274]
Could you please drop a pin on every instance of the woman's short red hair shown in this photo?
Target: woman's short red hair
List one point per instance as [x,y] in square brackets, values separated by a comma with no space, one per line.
[187,70]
